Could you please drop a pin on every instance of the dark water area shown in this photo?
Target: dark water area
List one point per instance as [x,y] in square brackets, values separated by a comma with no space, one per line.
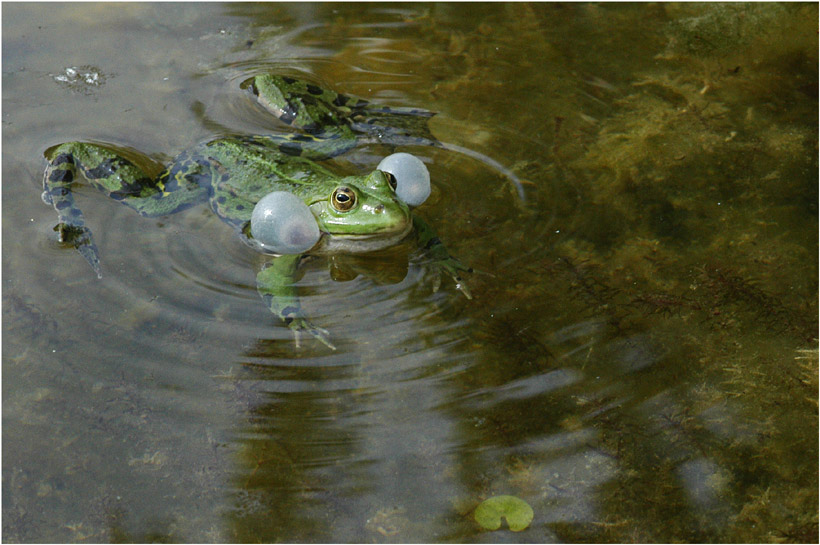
[639,358]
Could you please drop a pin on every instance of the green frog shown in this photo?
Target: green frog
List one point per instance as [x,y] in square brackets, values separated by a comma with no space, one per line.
[236,174]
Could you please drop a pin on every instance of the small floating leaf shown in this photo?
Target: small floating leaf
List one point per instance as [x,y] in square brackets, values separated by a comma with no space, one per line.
[517,512]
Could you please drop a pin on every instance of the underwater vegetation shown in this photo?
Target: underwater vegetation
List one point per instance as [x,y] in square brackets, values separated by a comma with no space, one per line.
[687,210]
[676,214]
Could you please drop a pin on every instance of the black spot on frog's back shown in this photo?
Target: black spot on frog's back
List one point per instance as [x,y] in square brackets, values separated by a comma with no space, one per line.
[64,158]
[314,89]
[294,149]
[62,175]
[107,168]
[341,100]
[289,113]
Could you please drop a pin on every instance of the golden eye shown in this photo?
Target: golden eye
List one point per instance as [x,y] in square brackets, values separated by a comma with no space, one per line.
[343,199]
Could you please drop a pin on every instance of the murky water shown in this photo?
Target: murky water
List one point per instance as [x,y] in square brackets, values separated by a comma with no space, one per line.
[639,362]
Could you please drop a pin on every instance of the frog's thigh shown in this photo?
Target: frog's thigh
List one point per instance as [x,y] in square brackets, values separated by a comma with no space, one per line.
[105,169]
[184,183]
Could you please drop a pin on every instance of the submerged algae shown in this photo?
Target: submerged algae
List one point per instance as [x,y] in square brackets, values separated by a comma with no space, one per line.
[685,221]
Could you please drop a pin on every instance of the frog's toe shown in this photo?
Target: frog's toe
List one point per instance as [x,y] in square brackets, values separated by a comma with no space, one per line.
[462,287]
[436,282]
[453,270]
[90,255]
[323,336]
[459,282]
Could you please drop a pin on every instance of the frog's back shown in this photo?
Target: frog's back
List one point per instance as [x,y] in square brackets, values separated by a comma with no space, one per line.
[245,169]
[250,162]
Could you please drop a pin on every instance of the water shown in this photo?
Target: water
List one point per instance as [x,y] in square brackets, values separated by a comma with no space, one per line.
[639,362]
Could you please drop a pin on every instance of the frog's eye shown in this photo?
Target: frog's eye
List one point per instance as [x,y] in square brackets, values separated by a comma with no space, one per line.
[343,199]
[391,180]
[410,176]
[283,224]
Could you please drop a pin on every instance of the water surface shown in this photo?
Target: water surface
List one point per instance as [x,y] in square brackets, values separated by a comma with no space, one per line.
[639,362]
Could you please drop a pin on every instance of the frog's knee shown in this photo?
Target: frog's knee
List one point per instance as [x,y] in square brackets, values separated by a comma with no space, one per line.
[62,152]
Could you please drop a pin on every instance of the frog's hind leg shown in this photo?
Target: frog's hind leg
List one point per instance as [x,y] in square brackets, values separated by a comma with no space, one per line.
[112,173]
[60,174]
[333,121]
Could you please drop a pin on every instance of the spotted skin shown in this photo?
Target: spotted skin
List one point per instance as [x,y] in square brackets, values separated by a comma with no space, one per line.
[327,114]
[234,173]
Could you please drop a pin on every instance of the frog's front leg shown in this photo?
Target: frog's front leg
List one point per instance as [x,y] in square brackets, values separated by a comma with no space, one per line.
[119,178]
[276,283]
[441,258]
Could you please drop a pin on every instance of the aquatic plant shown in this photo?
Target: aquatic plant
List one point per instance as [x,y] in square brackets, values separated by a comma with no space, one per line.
[516,511]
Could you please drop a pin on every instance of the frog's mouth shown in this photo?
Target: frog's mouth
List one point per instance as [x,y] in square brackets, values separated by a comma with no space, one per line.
[356,244]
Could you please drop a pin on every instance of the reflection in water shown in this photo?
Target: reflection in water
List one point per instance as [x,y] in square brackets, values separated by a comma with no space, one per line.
[416,447]
[329,440]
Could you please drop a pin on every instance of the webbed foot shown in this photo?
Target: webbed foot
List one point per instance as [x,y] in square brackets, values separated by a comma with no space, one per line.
[301,325]
[441,259]
[453,268]
[80,237]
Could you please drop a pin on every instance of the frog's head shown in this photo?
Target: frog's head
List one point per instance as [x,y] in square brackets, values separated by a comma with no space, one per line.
[361,214]
[353,214]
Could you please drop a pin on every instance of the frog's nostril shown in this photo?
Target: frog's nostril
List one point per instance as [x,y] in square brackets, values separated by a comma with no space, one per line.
[379,209]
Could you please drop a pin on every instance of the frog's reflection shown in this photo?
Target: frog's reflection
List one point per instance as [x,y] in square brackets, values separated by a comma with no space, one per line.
[388,267]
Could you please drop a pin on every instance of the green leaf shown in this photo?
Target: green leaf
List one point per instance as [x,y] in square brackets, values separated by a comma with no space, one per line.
[517,512]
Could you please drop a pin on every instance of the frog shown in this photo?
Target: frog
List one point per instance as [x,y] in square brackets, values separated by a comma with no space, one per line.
[353,214]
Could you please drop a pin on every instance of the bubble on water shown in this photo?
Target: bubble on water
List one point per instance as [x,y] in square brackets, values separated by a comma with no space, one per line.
[80,78]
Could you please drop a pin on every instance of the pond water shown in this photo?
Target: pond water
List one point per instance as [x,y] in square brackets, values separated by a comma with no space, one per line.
[639,360]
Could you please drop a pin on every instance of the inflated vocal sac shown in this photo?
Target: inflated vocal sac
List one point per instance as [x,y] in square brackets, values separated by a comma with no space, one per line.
[283,224]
